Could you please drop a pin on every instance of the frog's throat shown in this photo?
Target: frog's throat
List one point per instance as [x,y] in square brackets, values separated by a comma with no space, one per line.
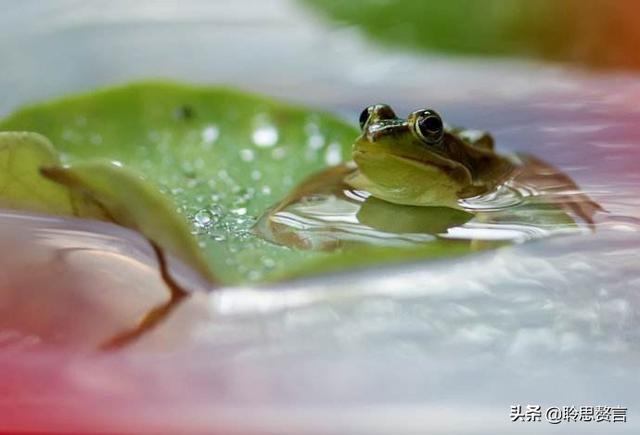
[456,171]
[359,181]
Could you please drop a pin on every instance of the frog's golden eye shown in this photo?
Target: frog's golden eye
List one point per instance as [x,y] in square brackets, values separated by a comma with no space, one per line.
[428,126]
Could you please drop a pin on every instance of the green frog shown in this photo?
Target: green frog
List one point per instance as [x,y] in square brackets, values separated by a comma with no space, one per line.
[412,176]
[420,161]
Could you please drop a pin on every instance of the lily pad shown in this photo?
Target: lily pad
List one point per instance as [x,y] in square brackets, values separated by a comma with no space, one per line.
[21,186]
[221,155]
[107,191]
[33,180]
[547,29]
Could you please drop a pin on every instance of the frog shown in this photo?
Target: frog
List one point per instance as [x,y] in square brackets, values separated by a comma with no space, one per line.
[418,175]
[421,161]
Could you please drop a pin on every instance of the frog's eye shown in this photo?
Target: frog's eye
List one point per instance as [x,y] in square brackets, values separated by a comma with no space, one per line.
[378,112]
[428,126]
[364,116]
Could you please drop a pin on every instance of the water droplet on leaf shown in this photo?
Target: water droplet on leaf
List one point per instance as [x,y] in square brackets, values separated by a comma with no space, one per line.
[265,136]
[203,218]
[333,156]
[247,155]
[96,139]
[315,141]
[278,153]
[209,135]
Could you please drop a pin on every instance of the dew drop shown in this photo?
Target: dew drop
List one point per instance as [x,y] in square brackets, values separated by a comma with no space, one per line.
[154,136]
[216,211]
[265,136]
[188,169]
[266,190]
[243,195]
[256,175]
[240,211]
[247,155]
[219,237]
[209,135]
[254,275]
[206,217]
[315,141]
[333,156]
[278,153]
[203,218]
[95,139]
[71,136]
[65,158]
[311,127]
[310,155]
[268,263]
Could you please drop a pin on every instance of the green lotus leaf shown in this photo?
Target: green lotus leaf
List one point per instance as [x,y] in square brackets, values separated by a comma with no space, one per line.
[221,156]
[108,191]
[547,29]
[21,186]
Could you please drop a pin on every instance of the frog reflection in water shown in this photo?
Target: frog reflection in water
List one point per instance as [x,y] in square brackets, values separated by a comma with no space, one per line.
[413,176]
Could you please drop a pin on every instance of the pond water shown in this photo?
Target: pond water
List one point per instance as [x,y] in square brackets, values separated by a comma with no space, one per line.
[326,214]
[445,346]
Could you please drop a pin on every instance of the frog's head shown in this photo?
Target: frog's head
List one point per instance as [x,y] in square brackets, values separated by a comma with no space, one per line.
[410,161]
[419,137]
[417,161]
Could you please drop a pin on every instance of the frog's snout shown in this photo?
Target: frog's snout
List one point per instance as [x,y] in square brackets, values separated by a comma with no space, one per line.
[385,129]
